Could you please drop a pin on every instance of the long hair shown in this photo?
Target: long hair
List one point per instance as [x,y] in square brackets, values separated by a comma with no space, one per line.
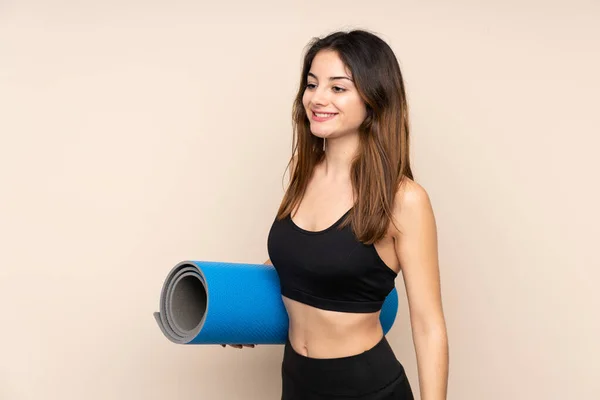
[382,160]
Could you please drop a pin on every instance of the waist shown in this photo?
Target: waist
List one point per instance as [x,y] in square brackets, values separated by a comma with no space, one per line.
[321,333]
[370,371]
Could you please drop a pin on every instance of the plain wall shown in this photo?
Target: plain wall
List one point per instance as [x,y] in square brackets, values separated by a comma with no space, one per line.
[138,134]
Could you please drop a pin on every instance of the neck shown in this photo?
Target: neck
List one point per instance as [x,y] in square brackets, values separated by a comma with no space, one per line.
[339,154]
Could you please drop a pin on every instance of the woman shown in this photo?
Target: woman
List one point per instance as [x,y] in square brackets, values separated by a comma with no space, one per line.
[351,220]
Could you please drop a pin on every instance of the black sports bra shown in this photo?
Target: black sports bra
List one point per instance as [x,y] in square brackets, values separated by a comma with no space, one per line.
[328,269]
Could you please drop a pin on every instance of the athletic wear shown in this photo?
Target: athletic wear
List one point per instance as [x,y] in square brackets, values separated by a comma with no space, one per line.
[375,374]
[329,269]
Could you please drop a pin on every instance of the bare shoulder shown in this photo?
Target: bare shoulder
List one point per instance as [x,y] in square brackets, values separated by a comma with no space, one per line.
[412,210]
[417,252]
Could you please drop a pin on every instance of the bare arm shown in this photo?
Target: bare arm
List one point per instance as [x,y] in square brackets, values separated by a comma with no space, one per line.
[416,248]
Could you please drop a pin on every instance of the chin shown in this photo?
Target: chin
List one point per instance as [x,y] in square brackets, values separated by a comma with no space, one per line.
[322,133]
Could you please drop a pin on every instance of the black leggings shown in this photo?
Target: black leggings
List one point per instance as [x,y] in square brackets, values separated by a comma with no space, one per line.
[375,374]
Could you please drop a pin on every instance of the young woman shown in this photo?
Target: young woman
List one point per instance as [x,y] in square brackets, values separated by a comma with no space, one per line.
[351,220]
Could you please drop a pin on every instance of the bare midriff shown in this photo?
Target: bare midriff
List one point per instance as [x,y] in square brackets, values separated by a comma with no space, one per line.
[318,333]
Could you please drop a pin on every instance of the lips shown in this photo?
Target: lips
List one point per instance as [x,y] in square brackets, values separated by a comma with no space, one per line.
[322,116]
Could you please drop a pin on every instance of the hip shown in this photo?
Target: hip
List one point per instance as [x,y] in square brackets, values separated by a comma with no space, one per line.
[373,374]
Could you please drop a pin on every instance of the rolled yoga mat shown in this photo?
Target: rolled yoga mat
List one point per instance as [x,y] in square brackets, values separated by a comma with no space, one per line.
[207,302]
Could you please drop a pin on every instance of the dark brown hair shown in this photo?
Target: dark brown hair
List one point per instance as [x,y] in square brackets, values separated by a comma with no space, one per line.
[382,161]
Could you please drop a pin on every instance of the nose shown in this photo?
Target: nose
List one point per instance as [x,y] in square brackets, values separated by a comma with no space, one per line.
[319,97]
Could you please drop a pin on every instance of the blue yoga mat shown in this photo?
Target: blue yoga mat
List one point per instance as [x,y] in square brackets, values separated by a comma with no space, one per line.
[207,302]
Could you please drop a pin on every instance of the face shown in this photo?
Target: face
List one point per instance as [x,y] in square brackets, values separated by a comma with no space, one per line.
[332,103]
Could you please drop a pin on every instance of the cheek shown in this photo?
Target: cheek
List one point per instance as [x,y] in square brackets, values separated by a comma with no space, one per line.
[363,112]
[354,109]
[306,99]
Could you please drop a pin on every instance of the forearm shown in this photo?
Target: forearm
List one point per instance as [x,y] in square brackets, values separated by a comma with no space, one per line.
[432,362]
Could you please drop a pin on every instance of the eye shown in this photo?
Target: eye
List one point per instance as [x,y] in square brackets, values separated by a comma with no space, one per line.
[310,85]
[338,89]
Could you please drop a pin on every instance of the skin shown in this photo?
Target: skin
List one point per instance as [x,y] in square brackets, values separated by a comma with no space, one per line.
[414,253]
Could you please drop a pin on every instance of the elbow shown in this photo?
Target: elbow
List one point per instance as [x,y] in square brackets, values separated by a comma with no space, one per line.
[430,327]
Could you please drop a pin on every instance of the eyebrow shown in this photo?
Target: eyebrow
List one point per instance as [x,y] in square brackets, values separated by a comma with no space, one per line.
[333,78]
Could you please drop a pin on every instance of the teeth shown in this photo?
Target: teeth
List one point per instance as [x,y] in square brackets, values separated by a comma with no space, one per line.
[323,115]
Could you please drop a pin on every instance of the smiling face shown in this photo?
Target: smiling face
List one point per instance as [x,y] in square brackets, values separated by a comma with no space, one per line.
[332,103]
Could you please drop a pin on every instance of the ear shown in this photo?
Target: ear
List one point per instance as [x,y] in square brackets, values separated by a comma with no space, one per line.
[367,124]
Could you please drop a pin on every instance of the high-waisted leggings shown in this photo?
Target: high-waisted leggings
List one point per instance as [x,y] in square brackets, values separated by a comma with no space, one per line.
[375,374]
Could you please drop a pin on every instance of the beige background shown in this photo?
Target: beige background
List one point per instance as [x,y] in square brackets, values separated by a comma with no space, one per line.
[138,134]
